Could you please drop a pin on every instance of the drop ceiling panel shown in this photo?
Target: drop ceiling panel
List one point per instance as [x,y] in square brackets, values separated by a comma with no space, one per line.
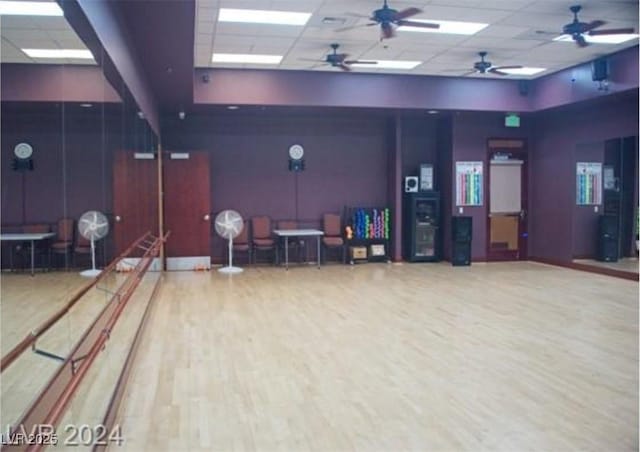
[25,32]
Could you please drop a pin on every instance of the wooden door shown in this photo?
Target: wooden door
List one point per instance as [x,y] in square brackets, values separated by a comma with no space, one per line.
[507,234]
[135,198]
[186,210]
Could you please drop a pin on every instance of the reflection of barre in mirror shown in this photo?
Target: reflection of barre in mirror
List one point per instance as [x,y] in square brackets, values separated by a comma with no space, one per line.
[49,406]
[229,225]
[93,226]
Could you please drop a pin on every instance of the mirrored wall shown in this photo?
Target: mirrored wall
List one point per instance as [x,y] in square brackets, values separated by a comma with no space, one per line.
[605,216]
[79,185]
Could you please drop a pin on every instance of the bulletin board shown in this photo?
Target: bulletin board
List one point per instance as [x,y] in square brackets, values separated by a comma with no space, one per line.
[588,183]
[469,184]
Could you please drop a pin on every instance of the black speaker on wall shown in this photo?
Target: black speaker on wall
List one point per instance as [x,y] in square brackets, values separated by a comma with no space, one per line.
[523,87]
[461,234]
[608,238]
[600,70]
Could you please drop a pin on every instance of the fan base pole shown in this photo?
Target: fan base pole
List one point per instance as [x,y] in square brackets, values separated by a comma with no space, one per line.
[91,273]
[230,270]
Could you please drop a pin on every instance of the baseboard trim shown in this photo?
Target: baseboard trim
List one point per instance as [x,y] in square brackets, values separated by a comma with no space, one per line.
[588,268]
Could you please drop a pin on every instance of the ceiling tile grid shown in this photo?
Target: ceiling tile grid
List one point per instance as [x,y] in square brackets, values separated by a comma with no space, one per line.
[520,32]
[38,32]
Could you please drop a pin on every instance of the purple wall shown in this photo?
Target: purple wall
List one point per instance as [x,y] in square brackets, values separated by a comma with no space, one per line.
[575,84]
[469,143]
[327,89]
[72,169]
[345,157]
[552,199]
[419,143]
[55,83]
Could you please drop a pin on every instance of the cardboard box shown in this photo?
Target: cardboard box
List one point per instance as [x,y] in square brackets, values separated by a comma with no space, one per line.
[358,252]
[377,250]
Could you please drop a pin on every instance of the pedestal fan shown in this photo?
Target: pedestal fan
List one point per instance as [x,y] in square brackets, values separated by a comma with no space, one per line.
[93,226]
[229,225]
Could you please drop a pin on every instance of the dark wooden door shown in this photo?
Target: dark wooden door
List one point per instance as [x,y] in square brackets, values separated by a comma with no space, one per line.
[507,200]
[135,198]
[186,210]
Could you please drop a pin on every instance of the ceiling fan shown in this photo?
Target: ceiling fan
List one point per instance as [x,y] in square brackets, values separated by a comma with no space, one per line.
[483,66]
[338,60]
[389,18]
[577,29]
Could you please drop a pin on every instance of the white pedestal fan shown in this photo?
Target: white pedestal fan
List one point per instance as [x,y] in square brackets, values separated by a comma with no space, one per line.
[229,225]
[93,226]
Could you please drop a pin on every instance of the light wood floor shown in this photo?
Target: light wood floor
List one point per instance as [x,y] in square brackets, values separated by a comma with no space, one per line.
[25,302]
[511,357]
[626,264]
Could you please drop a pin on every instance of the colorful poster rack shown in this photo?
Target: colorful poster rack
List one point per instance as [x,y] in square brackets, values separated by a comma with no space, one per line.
[588,183]
[469,184]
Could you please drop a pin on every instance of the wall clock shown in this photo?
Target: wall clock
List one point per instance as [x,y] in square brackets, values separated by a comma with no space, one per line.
[23,151]
[296,152]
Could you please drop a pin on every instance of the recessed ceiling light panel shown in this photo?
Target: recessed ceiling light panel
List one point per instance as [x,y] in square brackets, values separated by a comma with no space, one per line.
[600,39]
[447,27]
[524,70]
[83,54]
[239,58]
[30,9]
[390,64]
[257,16]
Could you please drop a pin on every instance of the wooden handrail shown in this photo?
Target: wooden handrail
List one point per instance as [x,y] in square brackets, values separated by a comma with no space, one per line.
[52,402]
[109,420]
[30,338]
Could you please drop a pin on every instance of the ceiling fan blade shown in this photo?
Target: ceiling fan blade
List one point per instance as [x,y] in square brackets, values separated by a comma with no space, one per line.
[386,31]
[406,13]
[612,31]
[497,72]
[468,73]
[340,57]
[311,60]
[360,62]
[413,23]
[580,41]
[344,67]
[593,25]
[355,26]
[363,16]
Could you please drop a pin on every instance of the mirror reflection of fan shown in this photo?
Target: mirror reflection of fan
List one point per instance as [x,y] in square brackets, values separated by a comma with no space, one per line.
[229,225]
[338,60]
[93,226]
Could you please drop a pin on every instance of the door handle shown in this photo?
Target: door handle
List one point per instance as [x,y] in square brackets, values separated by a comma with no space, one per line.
[118,218]
[206,217]
[523,214]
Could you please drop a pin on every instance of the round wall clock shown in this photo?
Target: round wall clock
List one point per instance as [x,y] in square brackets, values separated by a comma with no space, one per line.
[296,152]
[23,151]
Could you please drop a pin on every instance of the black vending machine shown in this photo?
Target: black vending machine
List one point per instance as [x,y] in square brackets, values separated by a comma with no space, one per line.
[421,227]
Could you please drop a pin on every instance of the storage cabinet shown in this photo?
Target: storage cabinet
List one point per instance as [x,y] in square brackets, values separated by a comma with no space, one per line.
[421,227]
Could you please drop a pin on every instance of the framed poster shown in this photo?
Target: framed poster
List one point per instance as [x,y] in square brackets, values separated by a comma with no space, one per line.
[469,184]
[588,183]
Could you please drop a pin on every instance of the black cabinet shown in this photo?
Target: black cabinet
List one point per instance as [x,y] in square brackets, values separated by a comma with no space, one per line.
[421,227]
